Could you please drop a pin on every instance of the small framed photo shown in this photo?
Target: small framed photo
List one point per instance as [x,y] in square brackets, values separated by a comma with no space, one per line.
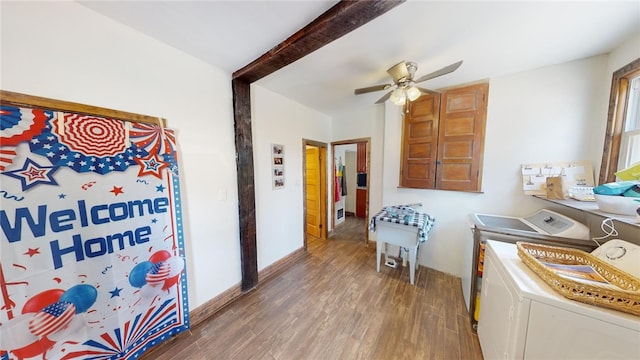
[277,166]
[277,149]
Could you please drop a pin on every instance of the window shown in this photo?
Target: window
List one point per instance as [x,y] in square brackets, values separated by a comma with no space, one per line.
[443,140]
[622,140]
[630,143]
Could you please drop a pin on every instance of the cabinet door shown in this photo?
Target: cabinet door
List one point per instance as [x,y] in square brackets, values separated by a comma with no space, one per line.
[361,203]
[362,158]
[419,143]
[461,138]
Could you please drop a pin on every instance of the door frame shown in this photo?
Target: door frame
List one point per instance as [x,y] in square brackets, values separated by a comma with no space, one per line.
[366,140]
[323,186]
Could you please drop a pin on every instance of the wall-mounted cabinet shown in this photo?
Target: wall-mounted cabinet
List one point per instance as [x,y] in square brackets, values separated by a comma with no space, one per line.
[361,203]
[361,165]
[443,140]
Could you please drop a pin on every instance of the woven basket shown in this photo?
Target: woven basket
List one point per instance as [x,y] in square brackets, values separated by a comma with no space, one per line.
[622,295]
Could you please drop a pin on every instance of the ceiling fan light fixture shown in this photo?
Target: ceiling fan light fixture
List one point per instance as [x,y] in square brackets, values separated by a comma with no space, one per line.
[403,87]
[413,93]
[398,97]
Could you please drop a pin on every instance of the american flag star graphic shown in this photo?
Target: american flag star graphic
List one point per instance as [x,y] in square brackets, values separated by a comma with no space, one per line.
[53,318]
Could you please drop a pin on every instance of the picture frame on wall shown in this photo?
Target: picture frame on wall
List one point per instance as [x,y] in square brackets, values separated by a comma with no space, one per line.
[277,166]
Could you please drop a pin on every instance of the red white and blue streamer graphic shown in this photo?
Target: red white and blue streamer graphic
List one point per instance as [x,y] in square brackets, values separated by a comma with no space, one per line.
[130,338]
[18,125]
[90,135]
[153,138]
[156,140]
[67,142]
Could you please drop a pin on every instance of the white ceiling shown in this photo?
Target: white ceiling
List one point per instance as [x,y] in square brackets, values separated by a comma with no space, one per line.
[493,39]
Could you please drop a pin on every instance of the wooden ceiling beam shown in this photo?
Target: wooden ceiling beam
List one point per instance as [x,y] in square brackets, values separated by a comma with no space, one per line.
[339,20]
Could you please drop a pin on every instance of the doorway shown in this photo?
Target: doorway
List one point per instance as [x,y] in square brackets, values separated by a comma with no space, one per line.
[315,189]
[350,183]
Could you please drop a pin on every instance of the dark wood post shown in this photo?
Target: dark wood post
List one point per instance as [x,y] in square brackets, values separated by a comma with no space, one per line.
[341,19]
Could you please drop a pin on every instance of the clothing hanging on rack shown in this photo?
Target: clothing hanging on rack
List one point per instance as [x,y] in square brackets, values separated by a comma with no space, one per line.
[343,181]
[340,180]
[337,190]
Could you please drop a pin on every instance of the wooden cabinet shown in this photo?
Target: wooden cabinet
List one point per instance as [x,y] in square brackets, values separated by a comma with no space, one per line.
[361,163]
[361,203]
[443,140]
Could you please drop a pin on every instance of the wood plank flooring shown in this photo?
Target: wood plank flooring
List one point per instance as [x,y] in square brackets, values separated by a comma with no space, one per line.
[332,304]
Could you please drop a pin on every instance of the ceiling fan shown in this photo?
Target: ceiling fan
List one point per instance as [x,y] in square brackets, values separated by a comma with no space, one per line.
[403,88]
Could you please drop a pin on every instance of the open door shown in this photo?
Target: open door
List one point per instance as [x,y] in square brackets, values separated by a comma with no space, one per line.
[358,172]
[315,190]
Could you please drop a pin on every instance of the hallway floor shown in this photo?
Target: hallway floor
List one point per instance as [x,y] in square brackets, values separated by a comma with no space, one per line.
[332,304]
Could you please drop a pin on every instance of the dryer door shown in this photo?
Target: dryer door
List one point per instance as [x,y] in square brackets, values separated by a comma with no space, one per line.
[501,326]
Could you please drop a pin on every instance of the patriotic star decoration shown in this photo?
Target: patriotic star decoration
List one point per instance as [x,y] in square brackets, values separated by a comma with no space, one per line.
[31,252]
[117,190]
[160,188]
[151,165]
[33,174]
[115,292]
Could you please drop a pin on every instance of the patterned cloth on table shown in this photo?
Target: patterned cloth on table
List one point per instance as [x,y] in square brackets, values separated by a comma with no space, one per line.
[405,215]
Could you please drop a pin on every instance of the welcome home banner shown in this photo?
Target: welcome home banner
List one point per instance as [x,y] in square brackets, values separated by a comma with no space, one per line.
[92,257]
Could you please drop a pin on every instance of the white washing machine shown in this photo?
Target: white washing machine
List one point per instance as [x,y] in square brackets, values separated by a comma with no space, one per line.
[543,221]
[543,227]
[521,317]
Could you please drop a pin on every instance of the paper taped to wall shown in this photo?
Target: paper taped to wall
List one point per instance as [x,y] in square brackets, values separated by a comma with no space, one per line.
[576,173]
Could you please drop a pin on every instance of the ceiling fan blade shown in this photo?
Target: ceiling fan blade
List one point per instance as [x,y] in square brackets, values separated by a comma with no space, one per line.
[443,71]
[427,91]
[384,98]
[399,71]
[371,89]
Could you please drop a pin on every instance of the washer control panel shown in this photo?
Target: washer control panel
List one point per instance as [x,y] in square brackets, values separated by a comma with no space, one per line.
[557,224]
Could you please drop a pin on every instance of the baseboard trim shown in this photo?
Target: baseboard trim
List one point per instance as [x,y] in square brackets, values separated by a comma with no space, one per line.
[211,307]
[277,267]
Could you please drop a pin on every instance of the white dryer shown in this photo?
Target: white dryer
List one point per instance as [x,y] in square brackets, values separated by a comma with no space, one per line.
[521,317]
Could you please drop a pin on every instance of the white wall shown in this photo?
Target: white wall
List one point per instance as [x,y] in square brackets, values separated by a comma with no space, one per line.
[622,55]
[366,123]
[64,51]
[279,213]
[535,116]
